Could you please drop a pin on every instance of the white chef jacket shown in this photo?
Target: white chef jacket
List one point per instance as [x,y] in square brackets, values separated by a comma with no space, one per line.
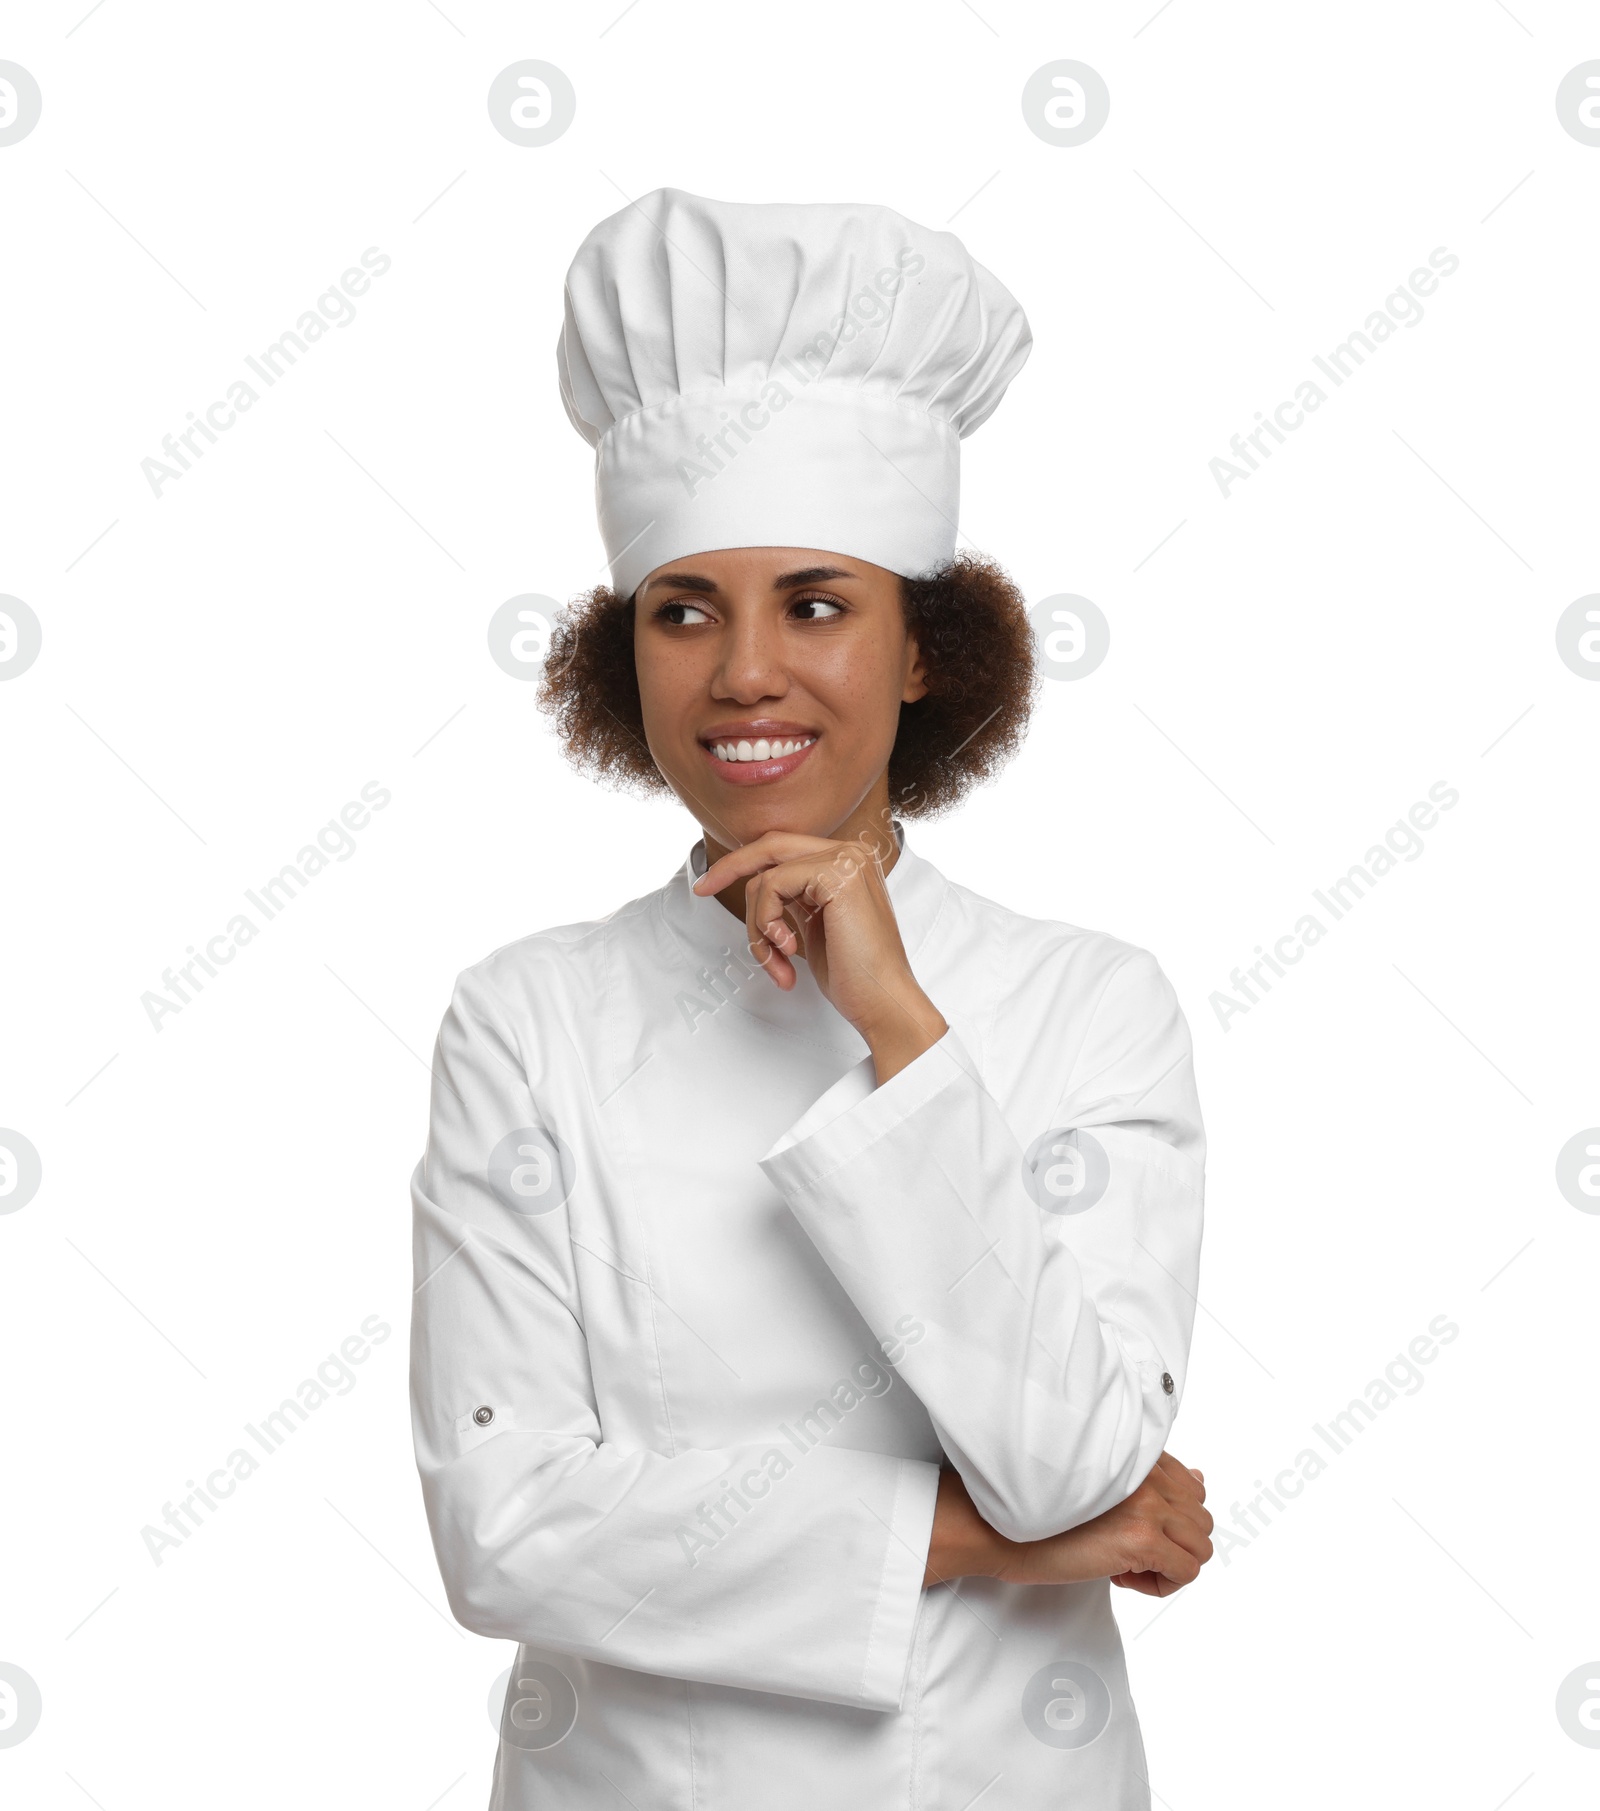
[700,1309]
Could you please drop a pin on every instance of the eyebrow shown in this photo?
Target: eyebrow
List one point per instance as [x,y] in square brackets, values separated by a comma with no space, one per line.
[787,581]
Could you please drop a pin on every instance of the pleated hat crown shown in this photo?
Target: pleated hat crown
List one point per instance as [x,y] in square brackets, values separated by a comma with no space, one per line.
[780,375]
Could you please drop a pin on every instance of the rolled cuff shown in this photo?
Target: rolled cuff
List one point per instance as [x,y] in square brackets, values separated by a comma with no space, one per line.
[854,1114]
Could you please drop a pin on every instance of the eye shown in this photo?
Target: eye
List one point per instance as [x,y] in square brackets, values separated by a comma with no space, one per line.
[819,604]
[662,613]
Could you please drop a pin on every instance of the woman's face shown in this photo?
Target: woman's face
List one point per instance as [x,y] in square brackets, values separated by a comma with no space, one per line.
[771,680]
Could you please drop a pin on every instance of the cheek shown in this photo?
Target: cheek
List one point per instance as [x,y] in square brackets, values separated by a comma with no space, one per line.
[861,680]
[669,682]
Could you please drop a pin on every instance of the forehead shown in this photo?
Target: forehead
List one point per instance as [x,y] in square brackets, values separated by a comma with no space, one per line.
[779,567]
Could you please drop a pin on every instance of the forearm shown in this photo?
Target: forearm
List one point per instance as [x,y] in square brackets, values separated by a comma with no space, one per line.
[908,1024]
[963,1545]
[1155,1541]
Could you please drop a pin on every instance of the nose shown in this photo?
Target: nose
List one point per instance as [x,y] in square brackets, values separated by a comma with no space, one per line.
[752,667]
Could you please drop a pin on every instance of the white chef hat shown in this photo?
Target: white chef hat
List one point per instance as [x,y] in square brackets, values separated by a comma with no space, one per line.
[780,375]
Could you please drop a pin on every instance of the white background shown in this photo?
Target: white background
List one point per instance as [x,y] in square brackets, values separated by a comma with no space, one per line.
[225,1200]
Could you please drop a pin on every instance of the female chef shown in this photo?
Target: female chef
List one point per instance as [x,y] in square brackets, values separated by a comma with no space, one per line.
[805,1251]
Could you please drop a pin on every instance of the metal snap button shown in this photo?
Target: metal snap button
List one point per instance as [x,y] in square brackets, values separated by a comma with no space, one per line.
[1166,1382]
[485,1415]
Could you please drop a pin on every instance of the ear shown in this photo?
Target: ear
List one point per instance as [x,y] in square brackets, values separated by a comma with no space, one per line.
[915,685]
[916,682]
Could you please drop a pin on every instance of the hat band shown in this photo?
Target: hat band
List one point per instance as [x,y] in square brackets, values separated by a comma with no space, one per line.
[773,465]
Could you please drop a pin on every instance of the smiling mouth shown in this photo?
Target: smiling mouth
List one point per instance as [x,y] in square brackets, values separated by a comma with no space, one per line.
[753,760]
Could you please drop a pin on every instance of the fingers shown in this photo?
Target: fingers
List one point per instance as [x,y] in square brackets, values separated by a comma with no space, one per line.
[764,945]
[784,901]
[805,885]
[1187,1524]
[1176,1482]
[1147,1583]
[773,960]
[777,891]
[1154,1535]
[1178,1563]
[772,940]
[771,900]
[790,887]
[779,898]
[1176,1525]
[790,881]
[1150,1584]
[765,852]
[1192,1533]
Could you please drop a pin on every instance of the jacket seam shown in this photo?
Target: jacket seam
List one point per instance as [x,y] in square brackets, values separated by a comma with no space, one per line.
[637,1225]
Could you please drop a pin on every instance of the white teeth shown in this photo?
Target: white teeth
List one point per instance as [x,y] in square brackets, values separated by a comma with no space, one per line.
[761,750]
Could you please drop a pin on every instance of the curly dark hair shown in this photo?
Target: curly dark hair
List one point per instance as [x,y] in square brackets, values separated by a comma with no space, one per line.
[971,625]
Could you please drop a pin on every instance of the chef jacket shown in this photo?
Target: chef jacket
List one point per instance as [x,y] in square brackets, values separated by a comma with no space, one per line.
[700,1310]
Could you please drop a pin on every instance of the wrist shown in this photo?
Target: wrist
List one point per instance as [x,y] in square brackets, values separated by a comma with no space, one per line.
[912,1025]
[962,1544]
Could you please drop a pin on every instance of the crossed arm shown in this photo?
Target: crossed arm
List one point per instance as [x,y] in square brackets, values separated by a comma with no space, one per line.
[1155,1541]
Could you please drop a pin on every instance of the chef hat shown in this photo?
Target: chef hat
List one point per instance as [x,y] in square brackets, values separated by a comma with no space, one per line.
[780,375]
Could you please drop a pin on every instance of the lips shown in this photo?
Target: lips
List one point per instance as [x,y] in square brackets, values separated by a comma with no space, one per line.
[757,748]
[754,753]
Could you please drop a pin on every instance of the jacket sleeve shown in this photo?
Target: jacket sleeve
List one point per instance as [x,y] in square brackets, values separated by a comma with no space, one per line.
[748,1565]
[1057,1332]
